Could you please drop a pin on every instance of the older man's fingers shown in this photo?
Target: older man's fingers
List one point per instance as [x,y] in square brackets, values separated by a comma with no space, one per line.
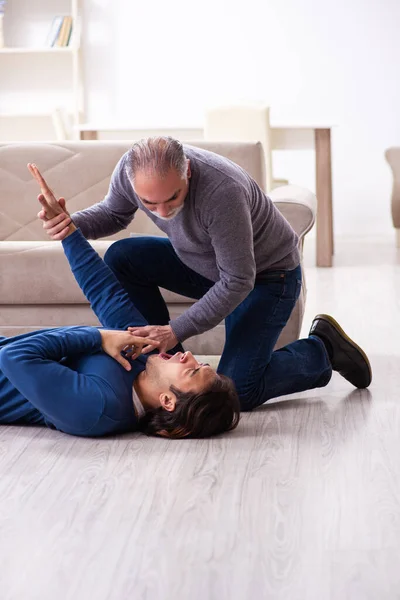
[140,331]
[56,224]
[61,235]
[150,348]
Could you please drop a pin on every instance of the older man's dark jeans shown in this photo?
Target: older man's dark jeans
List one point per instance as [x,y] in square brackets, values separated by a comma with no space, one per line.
[143,264]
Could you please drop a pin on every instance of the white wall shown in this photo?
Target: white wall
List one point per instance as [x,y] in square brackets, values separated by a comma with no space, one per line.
[314,61]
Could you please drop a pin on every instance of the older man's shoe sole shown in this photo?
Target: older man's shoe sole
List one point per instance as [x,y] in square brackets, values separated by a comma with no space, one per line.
[347,357]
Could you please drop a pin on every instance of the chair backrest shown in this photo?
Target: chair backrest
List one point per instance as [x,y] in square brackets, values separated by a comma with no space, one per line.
[242,123]
[81,171]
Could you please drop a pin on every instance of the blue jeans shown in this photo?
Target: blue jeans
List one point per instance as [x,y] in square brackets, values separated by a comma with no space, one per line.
[143,264]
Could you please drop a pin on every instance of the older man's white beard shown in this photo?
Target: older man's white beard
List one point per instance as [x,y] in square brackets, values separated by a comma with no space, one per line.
[171,215]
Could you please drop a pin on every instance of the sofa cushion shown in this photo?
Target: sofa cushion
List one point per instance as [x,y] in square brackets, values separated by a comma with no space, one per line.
[39,273]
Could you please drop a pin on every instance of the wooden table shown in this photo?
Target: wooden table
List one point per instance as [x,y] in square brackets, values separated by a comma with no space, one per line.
[284,137]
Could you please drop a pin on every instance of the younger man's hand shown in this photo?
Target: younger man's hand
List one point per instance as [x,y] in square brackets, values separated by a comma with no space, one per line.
[114,342]
[57,225]
[56,219]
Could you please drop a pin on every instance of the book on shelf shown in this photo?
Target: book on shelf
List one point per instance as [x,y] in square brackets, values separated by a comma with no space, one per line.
[54,31]
[60,32]
[65,32]
[69,37]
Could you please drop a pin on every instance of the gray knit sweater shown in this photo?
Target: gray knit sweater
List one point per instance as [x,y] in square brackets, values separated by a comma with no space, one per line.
[228,231]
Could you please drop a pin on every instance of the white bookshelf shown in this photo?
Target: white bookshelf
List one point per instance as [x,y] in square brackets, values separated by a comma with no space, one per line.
[41,87]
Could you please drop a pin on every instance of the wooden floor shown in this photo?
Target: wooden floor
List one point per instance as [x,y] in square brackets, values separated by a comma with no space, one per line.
[301,502]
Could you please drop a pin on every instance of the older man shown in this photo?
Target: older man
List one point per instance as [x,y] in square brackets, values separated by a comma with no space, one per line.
[227,246]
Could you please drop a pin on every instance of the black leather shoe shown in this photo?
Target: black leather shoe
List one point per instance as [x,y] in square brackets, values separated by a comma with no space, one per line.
[346,357]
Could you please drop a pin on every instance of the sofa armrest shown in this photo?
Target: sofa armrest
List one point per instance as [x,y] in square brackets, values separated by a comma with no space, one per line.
[298,205]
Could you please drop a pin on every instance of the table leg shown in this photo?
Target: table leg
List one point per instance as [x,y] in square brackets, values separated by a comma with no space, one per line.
[324,197]
[88,135]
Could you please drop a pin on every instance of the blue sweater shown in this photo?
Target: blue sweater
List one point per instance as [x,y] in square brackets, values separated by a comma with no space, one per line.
[61,377]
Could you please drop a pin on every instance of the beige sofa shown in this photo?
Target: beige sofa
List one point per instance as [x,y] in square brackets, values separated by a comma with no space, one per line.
[36,287]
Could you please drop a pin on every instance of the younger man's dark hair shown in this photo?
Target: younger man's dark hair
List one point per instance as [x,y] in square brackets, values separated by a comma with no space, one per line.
[201,415]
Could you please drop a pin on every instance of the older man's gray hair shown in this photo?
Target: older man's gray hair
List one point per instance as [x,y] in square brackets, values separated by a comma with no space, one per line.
[156,156]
